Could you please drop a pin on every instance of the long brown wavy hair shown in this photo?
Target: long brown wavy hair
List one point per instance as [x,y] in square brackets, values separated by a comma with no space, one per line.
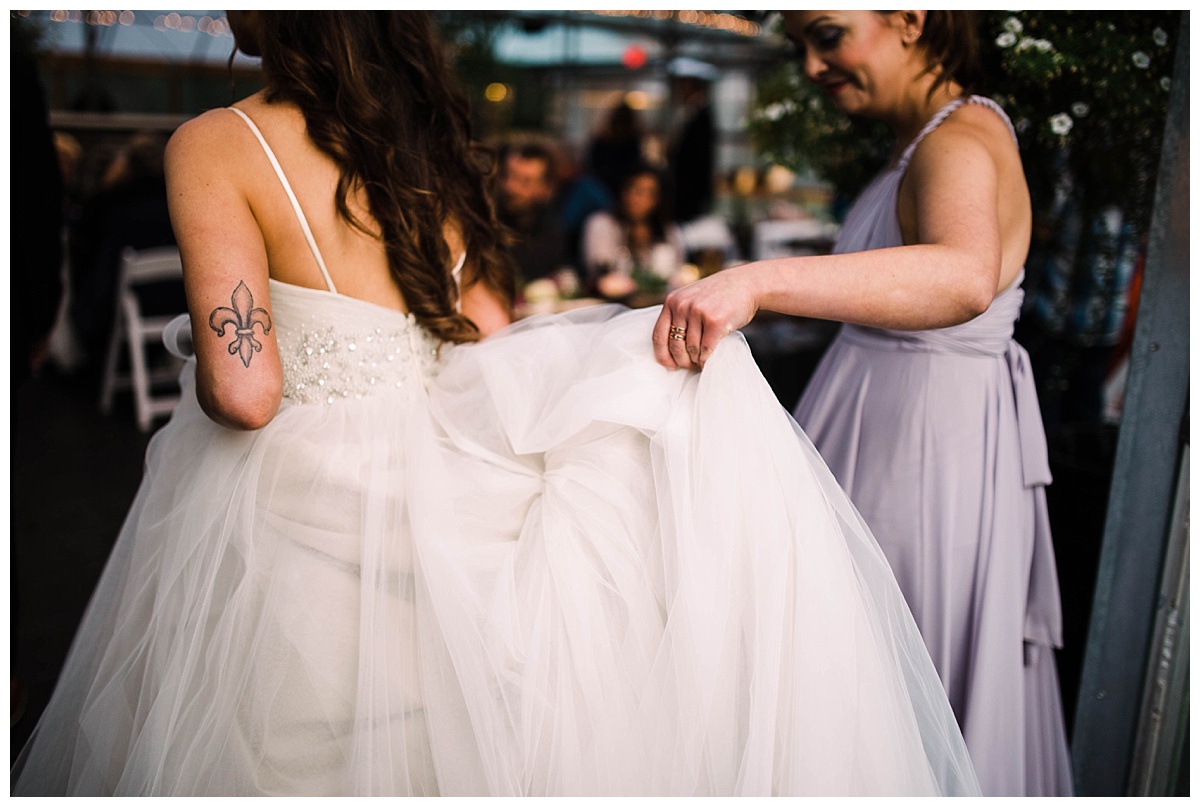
[379,98]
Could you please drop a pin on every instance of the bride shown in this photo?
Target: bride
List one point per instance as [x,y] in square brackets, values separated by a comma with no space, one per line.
[375,553]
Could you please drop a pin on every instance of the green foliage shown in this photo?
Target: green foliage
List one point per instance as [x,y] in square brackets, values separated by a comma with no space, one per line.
[1087,91]
[648,282]
[471,39]
[796,125]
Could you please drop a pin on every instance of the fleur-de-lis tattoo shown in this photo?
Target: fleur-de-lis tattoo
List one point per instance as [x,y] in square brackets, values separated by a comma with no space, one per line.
[243,317]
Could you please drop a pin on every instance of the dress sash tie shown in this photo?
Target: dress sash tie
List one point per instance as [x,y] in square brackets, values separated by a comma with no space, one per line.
[1035,460]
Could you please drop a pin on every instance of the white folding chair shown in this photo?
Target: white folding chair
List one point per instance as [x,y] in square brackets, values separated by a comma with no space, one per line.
[134,330]
[708,233]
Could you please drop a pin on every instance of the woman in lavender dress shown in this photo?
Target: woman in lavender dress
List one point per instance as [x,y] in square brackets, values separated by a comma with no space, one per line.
[924,407]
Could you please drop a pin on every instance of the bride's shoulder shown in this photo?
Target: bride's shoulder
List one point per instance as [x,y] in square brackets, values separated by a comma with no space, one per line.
[212,141]
[207,134]
[223,126]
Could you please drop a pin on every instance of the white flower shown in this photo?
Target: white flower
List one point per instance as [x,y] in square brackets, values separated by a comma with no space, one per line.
[1160,37]
[1141,60]
[774,111]
[1061,124]
[1165,83]
[1028,42]
[1006,39]
[1080,109]
[1013,25]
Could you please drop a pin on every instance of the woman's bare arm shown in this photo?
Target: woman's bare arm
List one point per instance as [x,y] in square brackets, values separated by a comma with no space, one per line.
[239,380]
[483,306]
[949,277]
[480,303]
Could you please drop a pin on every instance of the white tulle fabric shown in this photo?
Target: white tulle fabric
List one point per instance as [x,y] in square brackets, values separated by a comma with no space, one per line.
[538,565]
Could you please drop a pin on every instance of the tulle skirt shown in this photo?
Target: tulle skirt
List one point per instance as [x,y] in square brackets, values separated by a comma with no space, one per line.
[555,568]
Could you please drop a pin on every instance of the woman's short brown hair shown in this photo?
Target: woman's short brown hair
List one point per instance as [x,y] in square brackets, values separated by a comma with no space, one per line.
[951,39]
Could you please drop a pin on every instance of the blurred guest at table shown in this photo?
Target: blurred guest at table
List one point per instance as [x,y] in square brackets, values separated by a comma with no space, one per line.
[528,181]
[636,238]
[617,147]
[580,194]
[691,152]
[64,352]
[70,160]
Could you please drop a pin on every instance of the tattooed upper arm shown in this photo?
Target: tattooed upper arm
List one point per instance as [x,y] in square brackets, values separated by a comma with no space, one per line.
[238,375]
[243,316]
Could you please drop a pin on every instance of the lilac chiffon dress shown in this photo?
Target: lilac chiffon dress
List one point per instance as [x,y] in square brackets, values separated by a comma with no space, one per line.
[937,438]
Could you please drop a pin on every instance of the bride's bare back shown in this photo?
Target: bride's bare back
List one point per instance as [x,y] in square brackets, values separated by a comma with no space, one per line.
[355,260]
[236,226]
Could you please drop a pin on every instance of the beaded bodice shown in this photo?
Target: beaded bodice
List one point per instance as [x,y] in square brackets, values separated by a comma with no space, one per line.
[334,347]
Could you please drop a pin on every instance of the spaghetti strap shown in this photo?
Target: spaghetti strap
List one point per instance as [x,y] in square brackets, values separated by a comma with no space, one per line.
[312,242]
[456,273]
[934,122]
[983,100]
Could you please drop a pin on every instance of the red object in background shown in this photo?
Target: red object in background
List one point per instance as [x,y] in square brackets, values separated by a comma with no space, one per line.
[1125,342]
[634,57]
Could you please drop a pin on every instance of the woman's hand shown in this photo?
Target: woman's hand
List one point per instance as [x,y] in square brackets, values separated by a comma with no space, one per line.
[695,318]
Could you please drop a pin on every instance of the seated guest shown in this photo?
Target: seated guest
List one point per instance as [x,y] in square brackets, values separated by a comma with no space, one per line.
[617,148]
[636,236]
[527,186]
[580,194]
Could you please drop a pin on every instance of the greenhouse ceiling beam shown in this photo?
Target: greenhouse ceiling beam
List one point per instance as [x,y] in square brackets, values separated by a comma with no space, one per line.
[670,29]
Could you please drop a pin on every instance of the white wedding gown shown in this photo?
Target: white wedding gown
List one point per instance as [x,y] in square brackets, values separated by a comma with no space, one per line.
[542,564]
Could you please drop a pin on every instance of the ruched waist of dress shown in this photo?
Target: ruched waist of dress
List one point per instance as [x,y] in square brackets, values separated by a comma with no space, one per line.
[958,340]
